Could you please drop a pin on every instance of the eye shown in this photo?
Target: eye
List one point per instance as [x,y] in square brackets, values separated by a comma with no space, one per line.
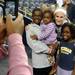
[57,16]
[66,32]
[61,17]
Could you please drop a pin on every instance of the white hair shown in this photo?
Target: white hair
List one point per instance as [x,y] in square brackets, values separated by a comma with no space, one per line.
[60,10]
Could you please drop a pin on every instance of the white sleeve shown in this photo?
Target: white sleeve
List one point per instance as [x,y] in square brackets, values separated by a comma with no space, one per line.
[36,45]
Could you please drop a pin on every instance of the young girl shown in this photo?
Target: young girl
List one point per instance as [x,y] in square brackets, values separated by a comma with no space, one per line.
[48,34]
[66,50]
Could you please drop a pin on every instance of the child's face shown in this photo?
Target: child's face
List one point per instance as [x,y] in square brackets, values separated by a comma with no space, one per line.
[66,34]
[37,16]
[59,18]
[46,18]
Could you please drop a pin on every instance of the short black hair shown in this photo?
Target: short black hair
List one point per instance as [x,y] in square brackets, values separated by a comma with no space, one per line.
[71,27]
[36,9]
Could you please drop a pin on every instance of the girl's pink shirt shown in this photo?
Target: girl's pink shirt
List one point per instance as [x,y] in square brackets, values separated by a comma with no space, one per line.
[18,60]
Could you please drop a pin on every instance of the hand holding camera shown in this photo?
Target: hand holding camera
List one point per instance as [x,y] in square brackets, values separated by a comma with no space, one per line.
[16,25]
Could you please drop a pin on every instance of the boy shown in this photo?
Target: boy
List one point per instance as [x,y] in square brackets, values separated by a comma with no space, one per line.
[40,50]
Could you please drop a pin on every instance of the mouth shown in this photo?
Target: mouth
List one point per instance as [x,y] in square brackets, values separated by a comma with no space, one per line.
[65,38]
[59,22]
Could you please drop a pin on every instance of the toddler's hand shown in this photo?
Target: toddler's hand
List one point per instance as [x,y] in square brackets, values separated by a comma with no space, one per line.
[34,37]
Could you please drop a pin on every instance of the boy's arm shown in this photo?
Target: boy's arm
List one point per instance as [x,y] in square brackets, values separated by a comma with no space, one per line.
[36,45]
[18,60]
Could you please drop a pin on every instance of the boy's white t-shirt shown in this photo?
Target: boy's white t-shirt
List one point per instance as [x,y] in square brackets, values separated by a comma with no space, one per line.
[39,49]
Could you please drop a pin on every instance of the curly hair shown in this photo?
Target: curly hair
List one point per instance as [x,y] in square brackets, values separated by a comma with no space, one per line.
[36,9]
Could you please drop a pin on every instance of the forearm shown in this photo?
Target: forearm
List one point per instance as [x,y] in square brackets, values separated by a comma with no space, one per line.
[18,61]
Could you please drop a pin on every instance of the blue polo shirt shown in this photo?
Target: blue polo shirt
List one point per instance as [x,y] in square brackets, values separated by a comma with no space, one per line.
[66,55]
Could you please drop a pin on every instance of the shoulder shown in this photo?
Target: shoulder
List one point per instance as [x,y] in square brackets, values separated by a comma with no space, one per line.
[51,26]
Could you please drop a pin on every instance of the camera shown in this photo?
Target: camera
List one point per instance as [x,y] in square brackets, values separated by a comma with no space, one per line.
[10,7]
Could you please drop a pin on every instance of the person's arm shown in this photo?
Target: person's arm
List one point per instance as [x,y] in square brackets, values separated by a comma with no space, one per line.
[47,31]
[36,45]
[18,60]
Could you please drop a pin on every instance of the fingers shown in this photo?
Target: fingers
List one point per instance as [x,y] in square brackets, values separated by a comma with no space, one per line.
[19,23]
[19,20]
[1,21]
[2,25]
[20,17]
[8,19]
[12,26]
[15,26]
[9,25]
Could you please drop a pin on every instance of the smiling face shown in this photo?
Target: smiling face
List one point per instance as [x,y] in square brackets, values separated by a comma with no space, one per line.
[66,33]
[59,18]
[37,16]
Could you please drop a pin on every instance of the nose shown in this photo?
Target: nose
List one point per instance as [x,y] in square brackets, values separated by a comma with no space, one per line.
[58,18]
[64,33]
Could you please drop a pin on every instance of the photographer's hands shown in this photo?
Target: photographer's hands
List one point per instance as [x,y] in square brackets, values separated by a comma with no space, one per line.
[11,26]
[16,26]
[2,30]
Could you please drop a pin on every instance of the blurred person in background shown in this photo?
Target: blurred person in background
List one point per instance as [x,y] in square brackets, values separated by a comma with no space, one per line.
[71,11]
[59,3]
[69,5]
